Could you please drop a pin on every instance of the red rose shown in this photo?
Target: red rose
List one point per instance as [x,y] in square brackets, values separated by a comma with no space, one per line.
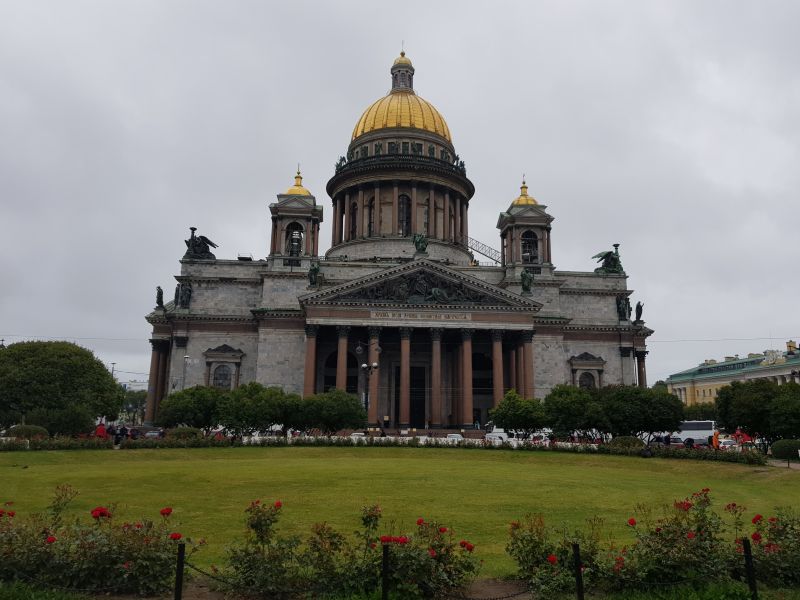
[402,540]
[50,539]
[552,559]
[278,504]
[126,565]
[138,525]
[658,529]
[385,539]
[420,522]
[175,536]
[373,545]
[11,513]
[166,511]
[632,522]
[773,520]
[442,529]
[469,547]
[757,519]
[756,537]
[463,543]
[432,552]
[690,535]
[101,512]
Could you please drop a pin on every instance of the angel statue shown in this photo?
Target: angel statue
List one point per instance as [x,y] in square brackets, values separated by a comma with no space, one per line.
[198,247]
[611,263]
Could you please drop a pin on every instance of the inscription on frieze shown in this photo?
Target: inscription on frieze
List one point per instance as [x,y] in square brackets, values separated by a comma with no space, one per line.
[405,315]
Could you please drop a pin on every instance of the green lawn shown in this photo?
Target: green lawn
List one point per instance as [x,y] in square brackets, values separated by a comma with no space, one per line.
[477,492]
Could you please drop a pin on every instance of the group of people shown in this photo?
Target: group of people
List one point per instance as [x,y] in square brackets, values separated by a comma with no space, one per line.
[116,433]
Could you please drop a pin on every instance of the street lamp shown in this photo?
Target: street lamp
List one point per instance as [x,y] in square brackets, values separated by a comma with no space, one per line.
[368,370]
[183,378]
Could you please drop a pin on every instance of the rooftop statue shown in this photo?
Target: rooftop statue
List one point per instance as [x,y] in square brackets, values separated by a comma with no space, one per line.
[639,309]
[526,277]
[159,297]
[199,247]
[611,263]
[420,242]
[313,274]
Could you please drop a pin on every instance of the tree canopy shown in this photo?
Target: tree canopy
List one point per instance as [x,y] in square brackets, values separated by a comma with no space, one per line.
[55,377]
[194,407]
[518,414]
[761,408]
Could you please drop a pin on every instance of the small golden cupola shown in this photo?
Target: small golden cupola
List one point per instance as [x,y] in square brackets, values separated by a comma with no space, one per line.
[297,189]
[523,198]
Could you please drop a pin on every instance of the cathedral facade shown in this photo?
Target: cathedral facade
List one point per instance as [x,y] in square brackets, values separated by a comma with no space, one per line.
[398,310]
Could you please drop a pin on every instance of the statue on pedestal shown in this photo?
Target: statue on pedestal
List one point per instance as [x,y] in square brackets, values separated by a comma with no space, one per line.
[313,274]
[199,247]
[420,242]
[526,277]
[611,263]
[159,297]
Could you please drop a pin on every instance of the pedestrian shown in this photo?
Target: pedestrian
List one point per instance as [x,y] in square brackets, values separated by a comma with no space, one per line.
[100,431]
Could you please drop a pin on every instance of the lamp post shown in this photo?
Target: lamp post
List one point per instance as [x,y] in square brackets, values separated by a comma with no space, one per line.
[368,370]
[183,378]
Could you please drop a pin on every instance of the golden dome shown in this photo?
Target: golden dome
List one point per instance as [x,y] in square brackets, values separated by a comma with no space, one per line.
[297,189]
[523,197]
[402,60]
[402,109]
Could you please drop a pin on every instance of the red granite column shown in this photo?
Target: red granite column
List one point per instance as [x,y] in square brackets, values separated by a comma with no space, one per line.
[310,375]
[341,357]
[520,367]
[432,213]
[374,377]
[446,221]
[512,368]
[152,383]
[405,376]
[337,224]
[436,378]
[641,368]
[497,366]
[466,374]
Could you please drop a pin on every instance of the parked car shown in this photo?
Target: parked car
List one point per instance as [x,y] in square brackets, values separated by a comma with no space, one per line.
[728,445]
[496,439]
[454,438]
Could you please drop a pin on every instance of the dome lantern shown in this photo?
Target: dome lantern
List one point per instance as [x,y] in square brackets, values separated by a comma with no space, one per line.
[523,197]
[402,74]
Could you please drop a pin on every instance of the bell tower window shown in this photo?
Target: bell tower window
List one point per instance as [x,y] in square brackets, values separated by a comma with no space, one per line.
[294,239]
[530,247]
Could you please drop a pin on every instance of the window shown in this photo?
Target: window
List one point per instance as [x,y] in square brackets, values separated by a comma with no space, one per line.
[530,247]
[586,381]
[222,377]
[294,239]
[432,151]
[404,215]
[353,220]
[425,216]
[405,147]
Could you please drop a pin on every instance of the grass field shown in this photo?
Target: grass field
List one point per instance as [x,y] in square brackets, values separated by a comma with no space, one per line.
[476,492]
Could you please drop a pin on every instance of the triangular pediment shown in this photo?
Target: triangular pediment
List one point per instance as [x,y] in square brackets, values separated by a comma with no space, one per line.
[421,283]
[304,202]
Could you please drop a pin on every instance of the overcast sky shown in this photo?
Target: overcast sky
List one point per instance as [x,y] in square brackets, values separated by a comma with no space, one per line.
[672,128]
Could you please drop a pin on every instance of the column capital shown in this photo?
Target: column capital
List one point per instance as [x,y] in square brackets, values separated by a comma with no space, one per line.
[640,354]
[159,345]
[405,333]
[343,330]
[436,334]
[466,334]
[497,335]
[374,332]
[312,330]
[527,336]
[625,351]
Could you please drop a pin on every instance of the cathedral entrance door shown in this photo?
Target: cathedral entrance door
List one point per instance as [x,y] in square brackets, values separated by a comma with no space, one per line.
[417,397]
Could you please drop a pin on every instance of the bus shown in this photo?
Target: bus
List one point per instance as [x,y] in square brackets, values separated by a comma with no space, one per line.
[699,431]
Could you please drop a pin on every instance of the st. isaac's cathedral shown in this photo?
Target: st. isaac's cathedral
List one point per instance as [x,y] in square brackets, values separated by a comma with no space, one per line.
[427,325]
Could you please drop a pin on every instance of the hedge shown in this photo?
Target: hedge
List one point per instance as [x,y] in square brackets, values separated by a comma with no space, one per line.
[786,449]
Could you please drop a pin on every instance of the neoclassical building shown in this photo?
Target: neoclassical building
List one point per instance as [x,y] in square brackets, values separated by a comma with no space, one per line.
[398,310]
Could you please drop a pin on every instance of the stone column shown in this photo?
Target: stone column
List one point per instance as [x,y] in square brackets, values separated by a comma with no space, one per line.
[360,223]
[446,220]
[510,251]
[374,378]
[466,375]
[641,369]
[414,209]
[310,375]
[273,236]
[527,344]
[341,357]
[457,221]
[316,239]
[337,225]
[503,250]
[237,370]
[153,380]
[520,366]
[497,366]
[436,378]
[432,213]
[347,216]
[465,221]
[512,368]
[395,210]
[549,255]
[405,377]
[378,210]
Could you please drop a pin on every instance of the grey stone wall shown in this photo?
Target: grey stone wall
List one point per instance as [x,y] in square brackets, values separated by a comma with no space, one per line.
[281,359]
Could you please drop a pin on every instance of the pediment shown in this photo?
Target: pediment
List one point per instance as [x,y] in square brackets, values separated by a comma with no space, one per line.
[303,202]
[421,283]
[223,349]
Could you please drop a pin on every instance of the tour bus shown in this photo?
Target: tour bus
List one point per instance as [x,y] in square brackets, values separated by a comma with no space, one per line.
[699,431]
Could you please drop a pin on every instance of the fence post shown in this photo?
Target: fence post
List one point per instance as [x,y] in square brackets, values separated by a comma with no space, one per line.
[748,568]
[576,554]
[179,571]
[384,573]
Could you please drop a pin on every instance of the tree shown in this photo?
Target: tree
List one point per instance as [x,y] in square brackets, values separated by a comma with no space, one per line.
[62,421]
[703,411]
[250,408]
[55,376]
[194,407]
[518,414]
[640,412]
[748,406]
[134,404]
[334,410]
[784,415]
[569,409]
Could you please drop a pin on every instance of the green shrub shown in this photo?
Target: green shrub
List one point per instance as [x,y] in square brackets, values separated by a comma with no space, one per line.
[786,449]
[21,591]
[101,555]
[626,441]
[27,432]
[184,433]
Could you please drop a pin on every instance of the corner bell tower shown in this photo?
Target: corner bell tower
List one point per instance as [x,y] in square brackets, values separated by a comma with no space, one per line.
[295,223]
[525,236]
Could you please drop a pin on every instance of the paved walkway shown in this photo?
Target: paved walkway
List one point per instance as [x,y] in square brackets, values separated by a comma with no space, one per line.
[782,463]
